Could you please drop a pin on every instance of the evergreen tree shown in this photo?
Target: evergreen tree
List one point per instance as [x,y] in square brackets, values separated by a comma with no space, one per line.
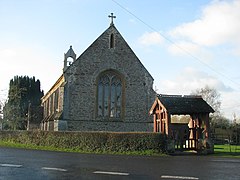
[22,92]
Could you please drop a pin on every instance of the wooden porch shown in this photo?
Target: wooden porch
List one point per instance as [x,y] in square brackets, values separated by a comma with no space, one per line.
[192,131]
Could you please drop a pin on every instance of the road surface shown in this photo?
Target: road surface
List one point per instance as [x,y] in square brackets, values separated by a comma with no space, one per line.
[35,164]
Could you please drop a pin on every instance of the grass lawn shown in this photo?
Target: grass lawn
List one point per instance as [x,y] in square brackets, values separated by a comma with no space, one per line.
[219,150]
[227,150]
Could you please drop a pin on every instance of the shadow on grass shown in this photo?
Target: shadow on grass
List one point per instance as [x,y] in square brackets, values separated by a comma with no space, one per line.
[218,148]
[227,150]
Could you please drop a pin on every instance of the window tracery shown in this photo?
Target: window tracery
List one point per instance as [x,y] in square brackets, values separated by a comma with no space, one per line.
[109,95]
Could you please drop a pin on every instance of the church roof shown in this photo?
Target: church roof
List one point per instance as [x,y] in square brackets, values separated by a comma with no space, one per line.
[97,49]
[177,104]
[56,85]
[101,43]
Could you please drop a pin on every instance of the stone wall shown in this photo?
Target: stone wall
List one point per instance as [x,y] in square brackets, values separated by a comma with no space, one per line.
[114,126]
[80,90]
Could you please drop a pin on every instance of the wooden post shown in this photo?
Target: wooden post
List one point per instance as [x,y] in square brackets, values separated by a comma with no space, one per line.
[154,123]
[207,126]
[167,124]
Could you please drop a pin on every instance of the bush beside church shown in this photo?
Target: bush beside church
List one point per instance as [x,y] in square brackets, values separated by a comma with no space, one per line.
[89,141]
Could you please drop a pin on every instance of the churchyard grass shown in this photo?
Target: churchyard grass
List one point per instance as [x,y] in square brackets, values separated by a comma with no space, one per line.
[227,150]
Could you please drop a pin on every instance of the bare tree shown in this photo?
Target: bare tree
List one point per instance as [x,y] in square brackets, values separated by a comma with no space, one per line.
[211,96]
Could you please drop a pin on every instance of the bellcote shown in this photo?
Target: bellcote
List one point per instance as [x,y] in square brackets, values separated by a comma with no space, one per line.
[69,58]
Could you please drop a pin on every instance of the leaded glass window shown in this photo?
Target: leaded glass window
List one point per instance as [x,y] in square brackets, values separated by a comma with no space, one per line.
[109,95]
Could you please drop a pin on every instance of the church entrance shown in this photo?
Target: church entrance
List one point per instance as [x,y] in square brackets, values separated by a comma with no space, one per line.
[184,138]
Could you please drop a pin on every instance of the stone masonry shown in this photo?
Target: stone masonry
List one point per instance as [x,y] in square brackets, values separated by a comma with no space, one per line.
[109,52]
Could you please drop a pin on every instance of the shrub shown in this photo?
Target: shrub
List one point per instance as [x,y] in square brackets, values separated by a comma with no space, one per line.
[89,141]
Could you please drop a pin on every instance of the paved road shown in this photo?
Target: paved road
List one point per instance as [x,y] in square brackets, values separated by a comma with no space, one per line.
[33,164]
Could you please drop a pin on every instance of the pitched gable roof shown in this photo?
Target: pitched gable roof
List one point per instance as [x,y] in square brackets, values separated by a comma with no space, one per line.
[177,104]
[101,44]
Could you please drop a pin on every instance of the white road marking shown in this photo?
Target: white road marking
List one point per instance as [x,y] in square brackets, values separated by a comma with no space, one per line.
[54,169]
[179,177]
[111,173]
[11,165]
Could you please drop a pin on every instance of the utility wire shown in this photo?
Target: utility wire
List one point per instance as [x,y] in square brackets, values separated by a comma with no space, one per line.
[179,47]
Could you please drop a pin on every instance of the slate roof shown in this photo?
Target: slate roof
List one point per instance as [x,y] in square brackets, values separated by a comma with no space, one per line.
[177,104]
[55,116]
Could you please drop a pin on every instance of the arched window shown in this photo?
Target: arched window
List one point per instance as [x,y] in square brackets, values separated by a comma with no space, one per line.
[109,95]
[111,41]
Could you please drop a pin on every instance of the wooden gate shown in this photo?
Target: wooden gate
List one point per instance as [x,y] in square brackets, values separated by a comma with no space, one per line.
[184,137]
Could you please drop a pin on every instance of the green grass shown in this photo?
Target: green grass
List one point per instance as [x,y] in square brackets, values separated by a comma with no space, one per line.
[227,150]
[50,148]
[219,150]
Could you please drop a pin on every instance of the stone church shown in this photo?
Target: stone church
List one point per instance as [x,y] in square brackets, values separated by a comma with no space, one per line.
[106,88]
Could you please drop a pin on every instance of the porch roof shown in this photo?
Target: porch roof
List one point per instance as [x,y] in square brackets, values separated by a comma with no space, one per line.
[178,104]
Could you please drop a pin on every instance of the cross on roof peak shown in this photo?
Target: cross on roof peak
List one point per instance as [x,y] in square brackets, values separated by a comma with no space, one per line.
[111,16]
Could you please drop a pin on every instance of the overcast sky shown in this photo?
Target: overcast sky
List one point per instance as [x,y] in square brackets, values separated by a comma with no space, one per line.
[184,44]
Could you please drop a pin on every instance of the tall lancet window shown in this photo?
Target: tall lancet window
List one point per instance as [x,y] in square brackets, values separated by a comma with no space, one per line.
[112,41]
[109,95]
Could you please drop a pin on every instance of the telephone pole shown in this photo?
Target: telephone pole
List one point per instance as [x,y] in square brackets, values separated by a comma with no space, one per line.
[1,115]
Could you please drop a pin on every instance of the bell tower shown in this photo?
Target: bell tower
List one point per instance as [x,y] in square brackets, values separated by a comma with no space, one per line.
[69,58]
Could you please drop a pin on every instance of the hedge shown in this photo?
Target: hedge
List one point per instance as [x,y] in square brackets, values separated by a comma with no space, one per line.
[89,141]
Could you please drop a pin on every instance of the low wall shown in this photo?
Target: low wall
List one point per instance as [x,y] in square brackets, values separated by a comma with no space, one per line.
[89,141]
